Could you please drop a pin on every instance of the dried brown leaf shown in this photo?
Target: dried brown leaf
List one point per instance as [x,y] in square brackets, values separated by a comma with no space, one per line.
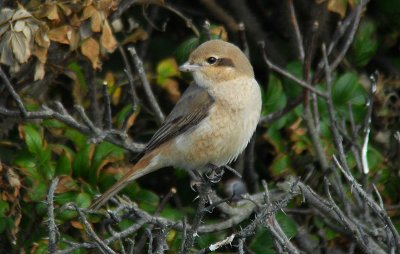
[21,14]
[220,31]
[172,88]
[61,34]
[40,53]
[66,183]
[49,11]
[4,29]
[20,46]
[138,35]
[88,12]
[96,21]
[338,6]
[5,15]
[75,21]
[91,49]
[6,55]
[107,38]
[39,71]
[41,36]
[105,6]
[66,10]
[76,224]
[74,40]
[132,119]
[19,25]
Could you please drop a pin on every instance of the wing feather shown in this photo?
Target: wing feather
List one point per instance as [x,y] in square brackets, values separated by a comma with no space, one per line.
[193,106]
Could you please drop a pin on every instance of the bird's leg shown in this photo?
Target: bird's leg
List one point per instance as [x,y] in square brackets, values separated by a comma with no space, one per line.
[214,174]
[196,179]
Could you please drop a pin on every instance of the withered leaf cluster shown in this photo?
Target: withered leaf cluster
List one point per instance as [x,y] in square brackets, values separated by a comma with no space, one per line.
[26,33]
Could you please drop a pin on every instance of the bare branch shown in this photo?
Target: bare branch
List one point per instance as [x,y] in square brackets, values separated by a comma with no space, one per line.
[53,231]
[299,37]
[13,93]
[146,85]
[289,75]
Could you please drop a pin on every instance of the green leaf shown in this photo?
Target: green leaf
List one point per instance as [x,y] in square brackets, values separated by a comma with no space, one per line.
[81,164]
[38,192]
[274,98]
[45,165]
[3,224]
[80,86]
[347,90]
[28,166]
[287,224]
[263,243]
[64,166]
[148,200]
[51,123]
[76,137]
[167,68]
[374,158]
[365,44]
[33,139]
[281,165]
[184,49]
[205,240]
[172,214]
[292,89]
[66,197]
[4,207]
[42,248]
[41,208]
[104,151]
[83,200]
[274,137]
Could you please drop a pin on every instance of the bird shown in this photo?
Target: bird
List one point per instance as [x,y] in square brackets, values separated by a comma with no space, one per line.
[212,122]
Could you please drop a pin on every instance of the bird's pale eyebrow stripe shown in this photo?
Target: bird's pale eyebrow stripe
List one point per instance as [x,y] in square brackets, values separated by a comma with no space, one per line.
[225,62]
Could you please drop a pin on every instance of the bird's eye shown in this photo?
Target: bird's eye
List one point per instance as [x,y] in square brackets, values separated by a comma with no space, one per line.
[211,60]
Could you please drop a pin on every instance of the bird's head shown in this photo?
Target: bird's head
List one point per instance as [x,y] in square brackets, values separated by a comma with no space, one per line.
[216,61]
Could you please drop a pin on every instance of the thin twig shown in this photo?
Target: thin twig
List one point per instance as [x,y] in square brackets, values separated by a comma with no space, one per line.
[53,231]
[188,21]
[107,102]
[112,136]
[299,37]
[219,13]
[289,75]
[381,212]
[244,46]
[102,245]
[203,189]
[350,37]
[146,85]
[13,93]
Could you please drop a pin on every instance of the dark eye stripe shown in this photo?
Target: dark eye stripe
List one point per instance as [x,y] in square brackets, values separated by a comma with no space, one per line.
[225,62]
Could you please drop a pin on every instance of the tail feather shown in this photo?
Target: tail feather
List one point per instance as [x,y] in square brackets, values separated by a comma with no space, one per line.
[140,169]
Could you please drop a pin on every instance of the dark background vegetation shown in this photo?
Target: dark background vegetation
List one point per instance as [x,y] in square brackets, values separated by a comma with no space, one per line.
[65,64]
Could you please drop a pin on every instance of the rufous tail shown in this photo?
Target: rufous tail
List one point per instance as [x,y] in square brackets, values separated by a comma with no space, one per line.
[141,168]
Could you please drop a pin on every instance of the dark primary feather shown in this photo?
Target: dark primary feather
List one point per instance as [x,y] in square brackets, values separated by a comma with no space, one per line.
[192,107]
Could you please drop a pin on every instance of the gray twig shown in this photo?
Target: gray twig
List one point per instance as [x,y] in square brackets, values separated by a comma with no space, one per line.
[146,85]
[13,93]
[295,24]
[289,75]
[107,102]
[53,231]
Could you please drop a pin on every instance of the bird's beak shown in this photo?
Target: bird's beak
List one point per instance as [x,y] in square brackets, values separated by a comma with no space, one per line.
[188,67]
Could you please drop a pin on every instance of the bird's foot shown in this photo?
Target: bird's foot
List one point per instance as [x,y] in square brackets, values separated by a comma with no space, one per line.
[196,179]
[214,174]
